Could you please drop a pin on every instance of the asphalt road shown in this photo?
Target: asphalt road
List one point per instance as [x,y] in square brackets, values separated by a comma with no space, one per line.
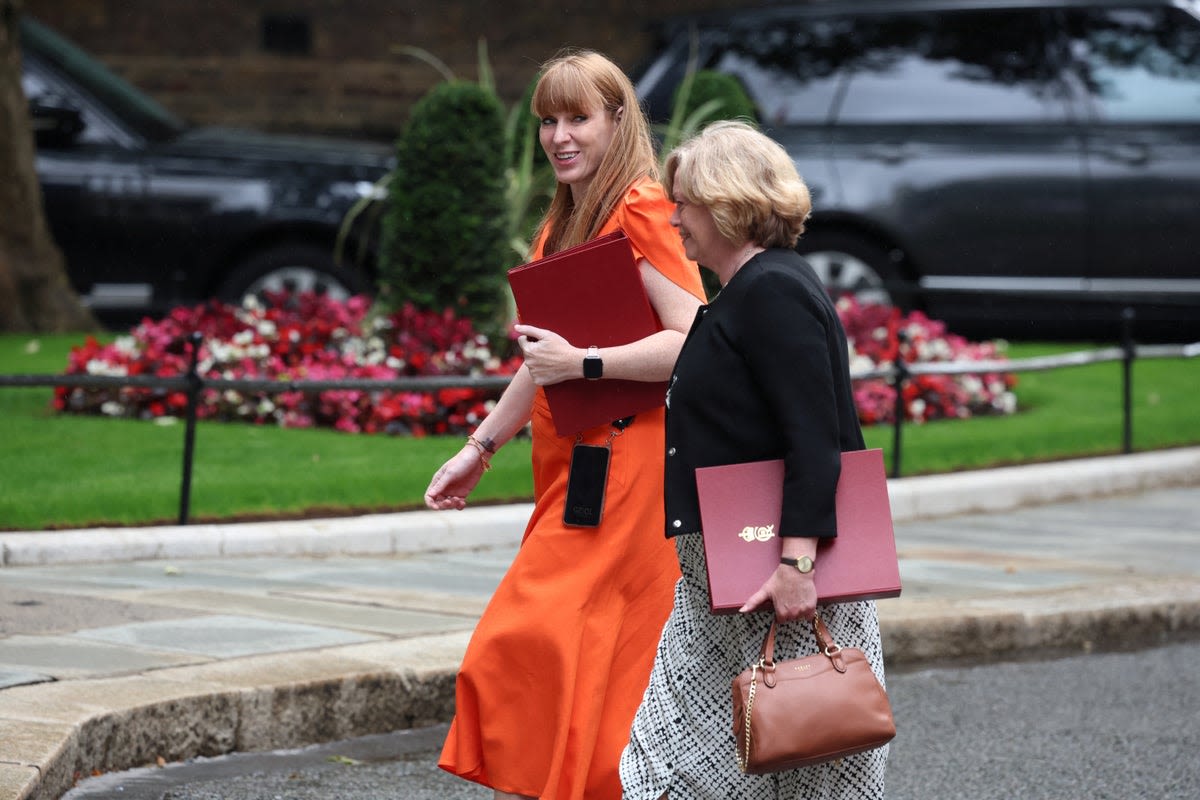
[1105,726]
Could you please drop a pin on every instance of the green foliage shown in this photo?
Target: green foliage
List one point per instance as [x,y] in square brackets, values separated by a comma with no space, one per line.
[714,95]
[445,234]
[530,177]
[703,96]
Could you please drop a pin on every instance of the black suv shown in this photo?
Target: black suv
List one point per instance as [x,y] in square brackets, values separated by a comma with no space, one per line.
[151,213]
[1011,167]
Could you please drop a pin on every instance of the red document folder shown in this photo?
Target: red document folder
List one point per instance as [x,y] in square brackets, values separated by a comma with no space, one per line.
[591,294]
[740,506]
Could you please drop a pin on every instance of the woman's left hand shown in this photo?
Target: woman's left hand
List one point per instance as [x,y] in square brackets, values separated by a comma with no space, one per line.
[549,357]
[792,593]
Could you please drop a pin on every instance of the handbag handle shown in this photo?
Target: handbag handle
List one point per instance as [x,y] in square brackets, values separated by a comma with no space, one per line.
[825,644]
[766,663]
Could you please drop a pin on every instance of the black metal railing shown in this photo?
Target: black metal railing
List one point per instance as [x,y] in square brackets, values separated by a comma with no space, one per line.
[898,373]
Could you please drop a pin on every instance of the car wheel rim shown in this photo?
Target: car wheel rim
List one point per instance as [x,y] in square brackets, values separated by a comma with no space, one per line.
[843,274]
[299,279]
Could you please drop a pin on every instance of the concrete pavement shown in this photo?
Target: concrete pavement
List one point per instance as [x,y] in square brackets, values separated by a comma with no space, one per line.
[119,647]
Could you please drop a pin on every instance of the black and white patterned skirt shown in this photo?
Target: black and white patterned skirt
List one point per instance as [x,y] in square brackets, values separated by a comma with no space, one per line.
[682,737]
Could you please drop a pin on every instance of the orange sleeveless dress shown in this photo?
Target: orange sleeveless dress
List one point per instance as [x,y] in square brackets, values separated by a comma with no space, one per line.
[561,657]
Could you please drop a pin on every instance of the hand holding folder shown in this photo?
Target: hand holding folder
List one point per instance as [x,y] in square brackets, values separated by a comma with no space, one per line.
[591,295]
[740,507]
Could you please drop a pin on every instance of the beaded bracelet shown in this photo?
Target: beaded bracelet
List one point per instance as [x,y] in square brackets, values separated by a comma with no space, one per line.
[485,454]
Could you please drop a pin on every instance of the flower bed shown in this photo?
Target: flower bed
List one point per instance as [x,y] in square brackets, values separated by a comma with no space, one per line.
[302,337]
[878,333]
[313,338]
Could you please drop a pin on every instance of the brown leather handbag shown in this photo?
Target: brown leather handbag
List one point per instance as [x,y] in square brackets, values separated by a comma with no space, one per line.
[814,709]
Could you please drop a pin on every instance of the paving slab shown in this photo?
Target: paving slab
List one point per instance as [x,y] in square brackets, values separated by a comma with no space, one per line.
[223,636]
[70,657]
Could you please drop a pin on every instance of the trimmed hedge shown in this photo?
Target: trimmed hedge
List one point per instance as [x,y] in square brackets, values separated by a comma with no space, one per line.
[444,235]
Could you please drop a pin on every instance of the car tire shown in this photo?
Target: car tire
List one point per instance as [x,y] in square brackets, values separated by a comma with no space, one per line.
[295,267]
[847,264]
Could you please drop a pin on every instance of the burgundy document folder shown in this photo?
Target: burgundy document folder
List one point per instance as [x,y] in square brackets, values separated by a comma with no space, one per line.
[591,294]
[740,506]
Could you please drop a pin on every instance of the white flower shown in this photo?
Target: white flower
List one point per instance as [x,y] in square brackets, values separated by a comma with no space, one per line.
[267,329]
[98,367]
[219,351]
[126,345]
[860,363]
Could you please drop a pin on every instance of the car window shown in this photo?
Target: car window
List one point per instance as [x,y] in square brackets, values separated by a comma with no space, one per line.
[790,68]
[1138,64]
[45,88]
[960,66]
[133,108]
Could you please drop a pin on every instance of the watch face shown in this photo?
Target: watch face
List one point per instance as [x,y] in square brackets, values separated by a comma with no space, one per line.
[593,367]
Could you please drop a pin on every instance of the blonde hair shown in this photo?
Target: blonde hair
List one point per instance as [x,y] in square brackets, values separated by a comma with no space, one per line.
[577,81]
[747,180]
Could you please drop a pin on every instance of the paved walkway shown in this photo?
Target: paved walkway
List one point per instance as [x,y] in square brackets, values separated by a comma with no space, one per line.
[118,647]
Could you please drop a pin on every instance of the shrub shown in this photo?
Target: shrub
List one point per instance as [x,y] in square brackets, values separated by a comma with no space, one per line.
[444,235]
[703,97]
[715,95]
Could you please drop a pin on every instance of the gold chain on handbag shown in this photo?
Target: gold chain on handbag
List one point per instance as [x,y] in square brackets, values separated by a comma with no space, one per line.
[744,755]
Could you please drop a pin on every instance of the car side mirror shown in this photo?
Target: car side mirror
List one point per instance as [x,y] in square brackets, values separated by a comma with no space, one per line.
[55,122]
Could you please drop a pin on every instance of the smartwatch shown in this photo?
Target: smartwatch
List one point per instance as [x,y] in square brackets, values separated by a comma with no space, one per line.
[593,365]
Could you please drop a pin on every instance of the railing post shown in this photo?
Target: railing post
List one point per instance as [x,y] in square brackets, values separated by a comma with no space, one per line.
[189,431]
[1130,352]
[899,377]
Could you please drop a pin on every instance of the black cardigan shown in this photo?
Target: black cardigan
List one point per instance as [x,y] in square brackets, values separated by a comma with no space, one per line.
[764,373]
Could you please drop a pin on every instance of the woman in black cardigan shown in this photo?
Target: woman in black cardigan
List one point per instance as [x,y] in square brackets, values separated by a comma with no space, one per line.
[763,374]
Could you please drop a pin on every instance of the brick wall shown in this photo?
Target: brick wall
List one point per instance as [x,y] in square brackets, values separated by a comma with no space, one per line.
[329,65]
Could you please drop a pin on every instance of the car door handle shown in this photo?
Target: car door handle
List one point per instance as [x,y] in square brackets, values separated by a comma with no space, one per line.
[1133,153]
[889,153]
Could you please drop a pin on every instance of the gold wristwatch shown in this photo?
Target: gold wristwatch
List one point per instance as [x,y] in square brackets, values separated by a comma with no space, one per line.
[803,563]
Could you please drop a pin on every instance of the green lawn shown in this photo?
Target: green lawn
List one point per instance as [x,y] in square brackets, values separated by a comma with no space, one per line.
[69,471]
[1074,411]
